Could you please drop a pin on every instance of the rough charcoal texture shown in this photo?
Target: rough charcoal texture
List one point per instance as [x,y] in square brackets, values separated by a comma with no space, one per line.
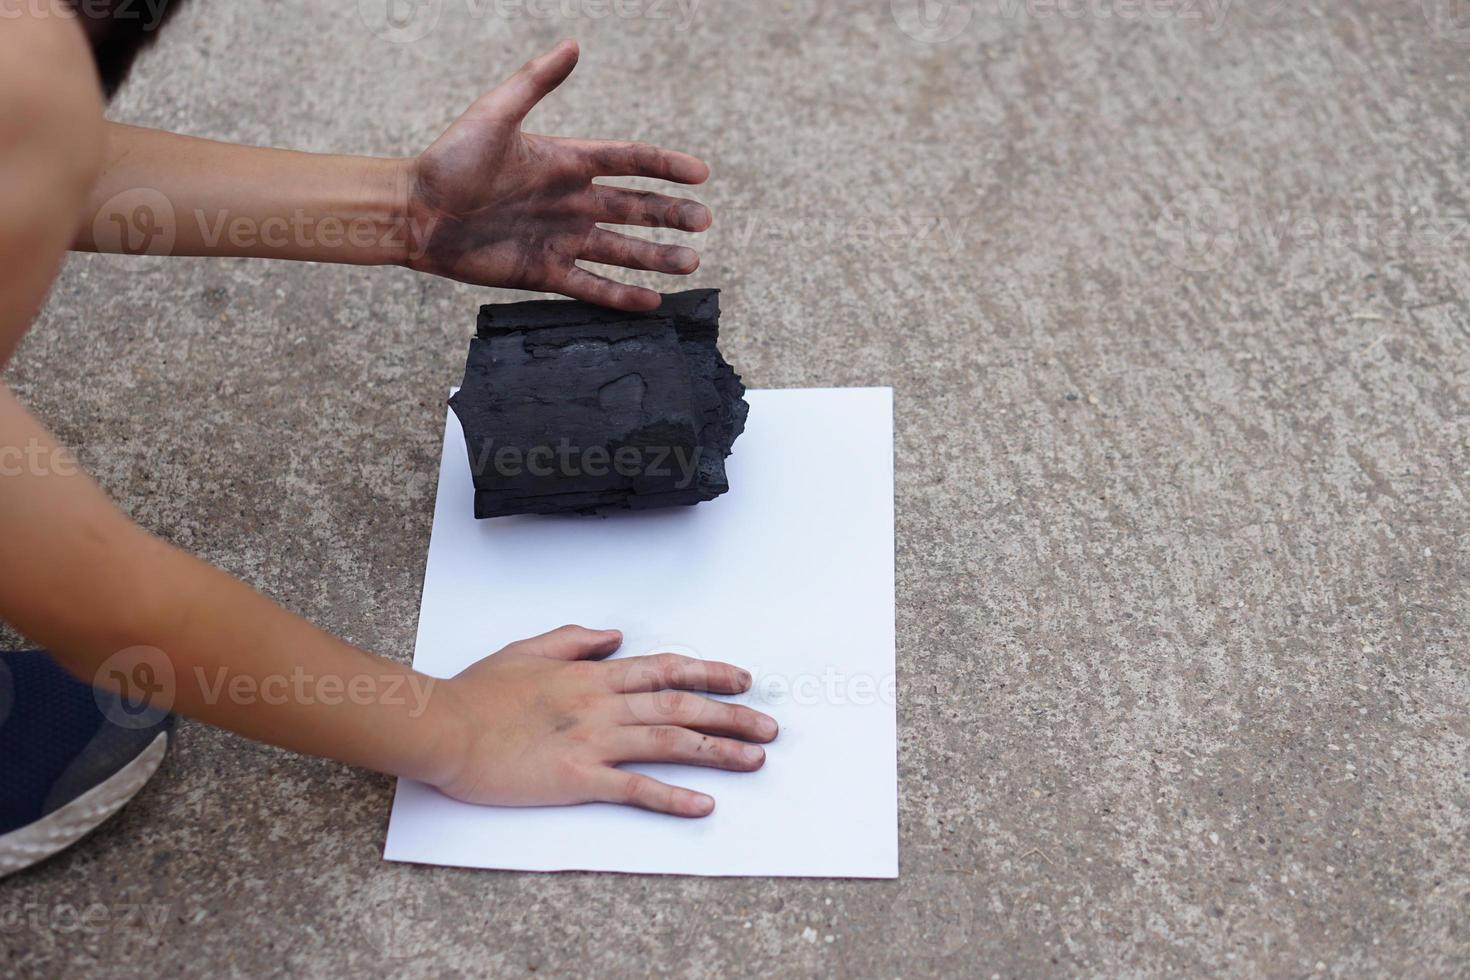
[569,407]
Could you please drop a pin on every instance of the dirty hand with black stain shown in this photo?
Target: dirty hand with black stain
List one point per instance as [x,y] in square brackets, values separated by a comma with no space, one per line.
[492,205]
[486,203]
[539,722]
[546,721]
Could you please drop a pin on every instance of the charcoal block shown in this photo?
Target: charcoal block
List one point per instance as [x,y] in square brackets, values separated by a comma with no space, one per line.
[569,407]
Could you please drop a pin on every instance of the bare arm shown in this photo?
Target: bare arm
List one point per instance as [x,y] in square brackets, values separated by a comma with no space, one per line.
[164,194]
[538,722]
[80,578]
[75,574]
[486,203]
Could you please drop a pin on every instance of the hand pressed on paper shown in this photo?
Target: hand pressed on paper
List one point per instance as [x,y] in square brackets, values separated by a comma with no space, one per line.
[492,205]
[545,721]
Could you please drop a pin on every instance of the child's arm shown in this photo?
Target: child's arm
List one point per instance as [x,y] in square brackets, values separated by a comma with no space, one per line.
[486,203]
[539,722]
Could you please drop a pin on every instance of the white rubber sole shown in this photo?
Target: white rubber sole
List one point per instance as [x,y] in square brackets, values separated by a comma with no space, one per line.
[63,827]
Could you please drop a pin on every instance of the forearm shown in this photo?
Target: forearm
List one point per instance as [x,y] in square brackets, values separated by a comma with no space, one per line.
[78,577]
[162,193]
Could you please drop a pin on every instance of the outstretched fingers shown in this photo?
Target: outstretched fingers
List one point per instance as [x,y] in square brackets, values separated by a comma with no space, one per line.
[674,744]
[537,78]
[670,743]
[635,789]
[612,248]
[670,670]
[578,283]
[618,158]
[573,643]
[622,206]
[699,713]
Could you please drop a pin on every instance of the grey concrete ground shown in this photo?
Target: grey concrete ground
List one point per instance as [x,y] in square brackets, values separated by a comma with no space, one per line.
[1174,300]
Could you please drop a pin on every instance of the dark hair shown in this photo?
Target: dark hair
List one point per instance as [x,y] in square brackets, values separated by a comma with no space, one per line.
[117,30]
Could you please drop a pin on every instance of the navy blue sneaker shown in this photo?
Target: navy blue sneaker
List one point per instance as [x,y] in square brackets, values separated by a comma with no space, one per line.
[70,757]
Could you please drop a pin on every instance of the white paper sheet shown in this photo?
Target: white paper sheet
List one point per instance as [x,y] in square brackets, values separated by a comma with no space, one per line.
[789,575]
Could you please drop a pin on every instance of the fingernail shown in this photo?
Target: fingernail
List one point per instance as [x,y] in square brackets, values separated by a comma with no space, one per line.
[703,804]
[745,679]
[695,214]
[752,753]
[766,728]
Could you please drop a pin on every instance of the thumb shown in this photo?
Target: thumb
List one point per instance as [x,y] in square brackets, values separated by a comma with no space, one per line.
[519,93]
[574,643]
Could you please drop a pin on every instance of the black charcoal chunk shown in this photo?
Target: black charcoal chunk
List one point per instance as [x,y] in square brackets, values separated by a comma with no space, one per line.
[569,407]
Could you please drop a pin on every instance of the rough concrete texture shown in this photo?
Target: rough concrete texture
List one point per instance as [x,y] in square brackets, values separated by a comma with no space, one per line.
[1182,523]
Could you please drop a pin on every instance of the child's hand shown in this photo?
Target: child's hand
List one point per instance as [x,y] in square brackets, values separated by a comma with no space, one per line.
[491,205]
[546,723]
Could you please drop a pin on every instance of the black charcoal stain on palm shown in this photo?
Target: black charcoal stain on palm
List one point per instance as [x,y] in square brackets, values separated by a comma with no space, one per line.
[570,407]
